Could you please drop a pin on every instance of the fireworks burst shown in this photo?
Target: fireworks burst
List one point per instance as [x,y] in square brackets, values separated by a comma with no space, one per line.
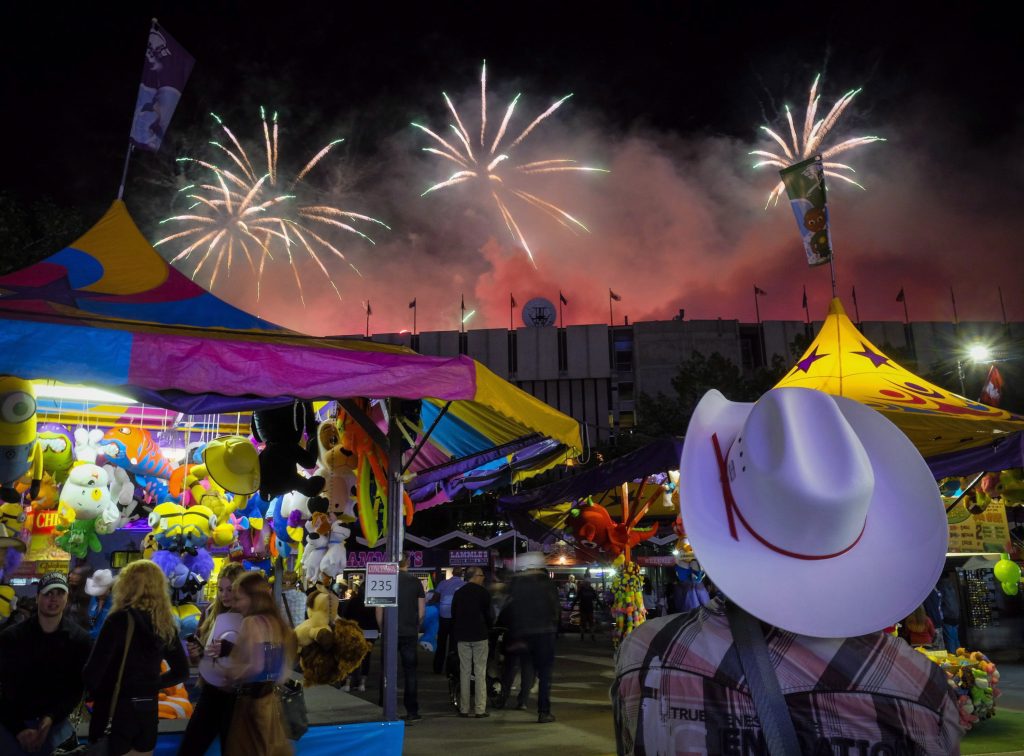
[489,163]
[809,142]
[246,213]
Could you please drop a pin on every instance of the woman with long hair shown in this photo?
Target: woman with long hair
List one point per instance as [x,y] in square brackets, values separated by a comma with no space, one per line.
[261,658]
[212,713]
[141,617]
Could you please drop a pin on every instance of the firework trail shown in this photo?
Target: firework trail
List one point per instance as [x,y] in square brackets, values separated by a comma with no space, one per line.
[810,139]
[488,162]
[249,212]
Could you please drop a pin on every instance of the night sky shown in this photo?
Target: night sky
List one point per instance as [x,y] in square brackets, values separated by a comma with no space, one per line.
[668,96]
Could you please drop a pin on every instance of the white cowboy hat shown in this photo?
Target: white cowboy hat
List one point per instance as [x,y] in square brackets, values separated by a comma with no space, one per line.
[837,529]
[100,582]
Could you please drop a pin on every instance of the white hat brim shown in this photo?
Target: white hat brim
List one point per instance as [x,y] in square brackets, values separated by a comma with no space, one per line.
[881,580]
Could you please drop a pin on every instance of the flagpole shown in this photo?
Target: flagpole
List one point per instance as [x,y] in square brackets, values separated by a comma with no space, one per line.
[807,312]
[611,314]
[561,320]
[462,314]
[511,311]
[832,268]
[906,315]
[414,317]
[367,318]
[124,172]
[856,309]
[1002,307]
[952,297]
[757,308]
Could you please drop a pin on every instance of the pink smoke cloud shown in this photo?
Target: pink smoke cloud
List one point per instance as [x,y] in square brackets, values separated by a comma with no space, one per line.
[678,223]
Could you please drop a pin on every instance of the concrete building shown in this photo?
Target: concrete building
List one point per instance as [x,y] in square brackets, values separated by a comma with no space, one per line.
[595,372]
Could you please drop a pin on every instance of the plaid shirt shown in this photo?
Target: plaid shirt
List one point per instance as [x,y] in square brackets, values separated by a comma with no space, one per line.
[679,689]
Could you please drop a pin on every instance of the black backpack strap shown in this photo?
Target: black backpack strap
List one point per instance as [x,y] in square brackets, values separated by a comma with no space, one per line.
[776,723]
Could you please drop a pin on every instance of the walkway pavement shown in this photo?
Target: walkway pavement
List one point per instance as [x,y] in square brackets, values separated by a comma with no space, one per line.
[579,701]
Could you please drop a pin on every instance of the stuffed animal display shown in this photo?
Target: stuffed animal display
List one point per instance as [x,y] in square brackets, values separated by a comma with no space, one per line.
[58,450]
[628,611]
[337,466]
[974,680]
[85,502]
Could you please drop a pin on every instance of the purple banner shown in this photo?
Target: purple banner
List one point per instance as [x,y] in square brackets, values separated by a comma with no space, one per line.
[165,70]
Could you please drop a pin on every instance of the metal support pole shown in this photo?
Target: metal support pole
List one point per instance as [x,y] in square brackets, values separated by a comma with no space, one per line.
[393,552]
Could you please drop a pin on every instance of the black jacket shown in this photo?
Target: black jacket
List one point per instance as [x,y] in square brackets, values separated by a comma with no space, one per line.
[533,604]
[357,611]
[471,613]
[142,677]
[41,673]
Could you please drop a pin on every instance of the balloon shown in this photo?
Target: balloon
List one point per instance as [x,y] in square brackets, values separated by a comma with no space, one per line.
[1006,570]
[1010,589]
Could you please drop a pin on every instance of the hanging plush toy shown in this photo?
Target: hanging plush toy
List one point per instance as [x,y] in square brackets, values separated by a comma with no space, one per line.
[337,465]
[335,559]
[134,450]
[88,445]
[281,430]
[371,475]
[335,654]
[197,526]
[166,525]
[313,553]
[286,544]
[628,611]
[20,451]
[55,440]
[87,495]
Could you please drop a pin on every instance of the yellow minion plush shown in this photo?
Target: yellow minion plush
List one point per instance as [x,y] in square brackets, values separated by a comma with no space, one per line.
[19,447]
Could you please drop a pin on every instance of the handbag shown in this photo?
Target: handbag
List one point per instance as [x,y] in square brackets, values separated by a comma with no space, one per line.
[293,704]
[102,746]
[293,699]
[776,723]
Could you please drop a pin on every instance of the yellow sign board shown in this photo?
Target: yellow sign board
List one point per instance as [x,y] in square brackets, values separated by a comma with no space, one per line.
[985,532]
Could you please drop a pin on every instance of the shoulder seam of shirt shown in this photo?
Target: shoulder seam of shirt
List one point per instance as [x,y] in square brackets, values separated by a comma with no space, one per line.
[745,690]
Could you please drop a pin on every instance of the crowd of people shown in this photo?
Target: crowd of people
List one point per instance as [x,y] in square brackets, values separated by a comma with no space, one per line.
[63,653]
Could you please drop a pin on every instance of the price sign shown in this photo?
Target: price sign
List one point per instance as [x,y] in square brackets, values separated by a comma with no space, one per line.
[381,584]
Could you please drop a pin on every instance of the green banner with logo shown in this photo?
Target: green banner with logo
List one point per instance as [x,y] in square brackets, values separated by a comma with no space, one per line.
[805,187]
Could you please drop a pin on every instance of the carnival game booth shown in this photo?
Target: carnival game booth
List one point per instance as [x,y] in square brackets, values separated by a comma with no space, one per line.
[108,313]
[975,452]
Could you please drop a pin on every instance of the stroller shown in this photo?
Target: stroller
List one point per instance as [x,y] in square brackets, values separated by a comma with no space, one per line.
[495,663]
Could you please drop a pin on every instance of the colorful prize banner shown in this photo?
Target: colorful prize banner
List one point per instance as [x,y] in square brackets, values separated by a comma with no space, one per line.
[805,186]
[985,532]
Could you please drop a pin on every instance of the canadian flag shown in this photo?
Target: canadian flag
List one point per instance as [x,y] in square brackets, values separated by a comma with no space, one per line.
[992,393]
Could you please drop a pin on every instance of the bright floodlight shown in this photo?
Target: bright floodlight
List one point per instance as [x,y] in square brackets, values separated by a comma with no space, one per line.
[980,353]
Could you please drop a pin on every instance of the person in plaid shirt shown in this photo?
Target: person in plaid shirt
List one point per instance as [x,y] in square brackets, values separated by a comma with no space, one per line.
[817,516]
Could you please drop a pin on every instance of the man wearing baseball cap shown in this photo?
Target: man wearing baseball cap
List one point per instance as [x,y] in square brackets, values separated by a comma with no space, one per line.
[41,663]
[821,524]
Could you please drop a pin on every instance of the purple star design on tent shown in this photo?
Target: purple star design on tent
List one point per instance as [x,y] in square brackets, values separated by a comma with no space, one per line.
[876,359]
[806,362]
